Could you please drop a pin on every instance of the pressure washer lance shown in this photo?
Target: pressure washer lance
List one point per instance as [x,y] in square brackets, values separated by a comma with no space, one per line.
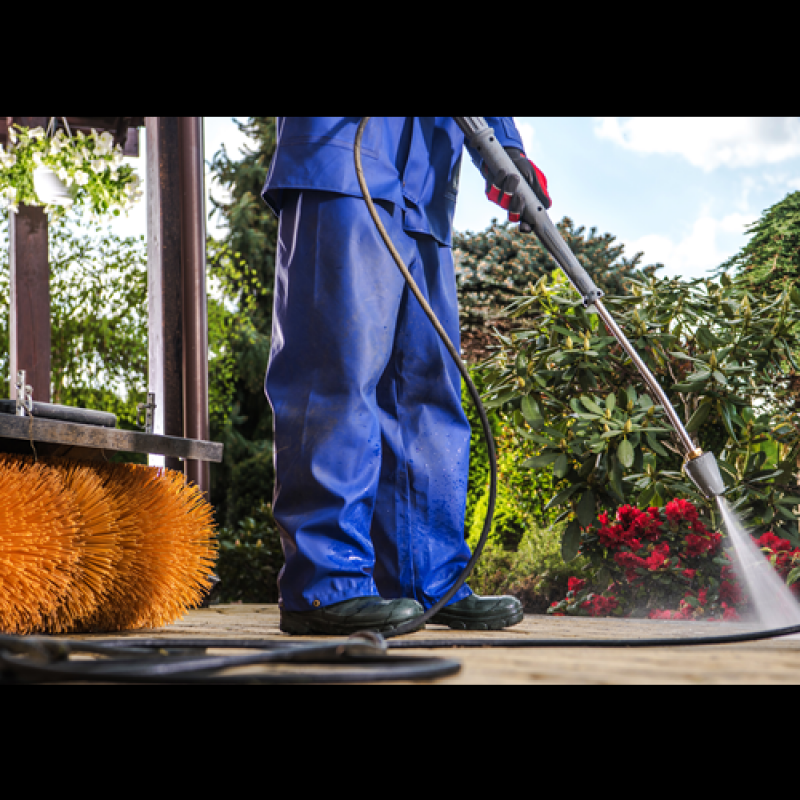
[701,467]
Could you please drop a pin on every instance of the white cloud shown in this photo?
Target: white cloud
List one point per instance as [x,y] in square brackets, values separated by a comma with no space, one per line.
[697,252]
[528,135]
[707,142]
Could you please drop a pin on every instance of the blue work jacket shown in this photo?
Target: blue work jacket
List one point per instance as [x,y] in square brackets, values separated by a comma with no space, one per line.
[413,162]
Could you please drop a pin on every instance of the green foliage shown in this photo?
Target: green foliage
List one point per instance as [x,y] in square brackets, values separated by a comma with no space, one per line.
[772,255]
[250,558]
[243,265]
[98,313]
[723,357]
[230,326]
[535,572]
[495,266]
[522,494]
[98,307]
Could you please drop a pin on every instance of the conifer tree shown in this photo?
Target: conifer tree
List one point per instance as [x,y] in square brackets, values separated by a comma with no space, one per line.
[244,265]
[497,265]
[770,261]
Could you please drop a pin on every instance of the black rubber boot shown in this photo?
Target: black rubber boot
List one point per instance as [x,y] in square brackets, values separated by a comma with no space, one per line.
[351,616]
[476,613]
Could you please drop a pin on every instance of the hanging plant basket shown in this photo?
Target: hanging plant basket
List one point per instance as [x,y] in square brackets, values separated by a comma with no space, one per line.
[63,171]
[50,189]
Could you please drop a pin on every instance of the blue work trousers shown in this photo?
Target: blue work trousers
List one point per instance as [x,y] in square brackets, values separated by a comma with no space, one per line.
[371,441]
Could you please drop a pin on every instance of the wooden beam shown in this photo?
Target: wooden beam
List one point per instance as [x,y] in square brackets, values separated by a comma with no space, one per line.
[23,430]
[195,313]
[124,129]
[29,318]
[164,277]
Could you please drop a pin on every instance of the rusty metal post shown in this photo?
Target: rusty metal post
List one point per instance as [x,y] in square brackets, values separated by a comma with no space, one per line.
[164,279]
[195,312]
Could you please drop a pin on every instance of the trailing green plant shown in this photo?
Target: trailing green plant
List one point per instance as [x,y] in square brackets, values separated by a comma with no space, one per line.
[91,167]
[725,359]
[250,558]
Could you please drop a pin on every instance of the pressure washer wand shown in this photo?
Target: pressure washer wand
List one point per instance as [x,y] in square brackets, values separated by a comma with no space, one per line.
[701,467]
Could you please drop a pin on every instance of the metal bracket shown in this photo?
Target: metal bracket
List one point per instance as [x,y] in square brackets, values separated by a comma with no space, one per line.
[149,408]
[51,126]
[24,397]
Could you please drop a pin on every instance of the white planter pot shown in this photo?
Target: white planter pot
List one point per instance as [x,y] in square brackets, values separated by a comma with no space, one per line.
[50,189]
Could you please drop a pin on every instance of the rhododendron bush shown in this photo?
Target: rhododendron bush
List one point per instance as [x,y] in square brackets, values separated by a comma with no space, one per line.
[663,563]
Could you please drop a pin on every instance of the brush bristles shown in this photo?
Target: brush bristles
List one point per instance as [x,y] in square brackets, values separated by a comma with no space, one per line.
[39,545]
[87,546]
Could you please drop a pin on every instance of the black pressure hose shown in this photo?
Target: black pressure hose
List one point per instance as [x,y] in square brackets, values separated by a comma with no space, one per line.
[474,394]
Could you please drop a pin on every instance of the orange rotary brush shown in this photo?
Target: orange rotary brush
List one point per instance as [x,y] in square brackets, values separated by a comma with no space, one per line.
[91,546]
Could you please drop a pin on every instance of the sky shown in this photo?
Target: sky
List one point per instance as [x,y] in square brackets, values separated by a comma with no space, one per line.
[681,190]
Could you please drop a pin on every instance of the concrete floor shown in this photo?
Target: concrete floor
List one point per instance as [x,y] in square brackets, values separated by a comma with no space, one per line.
[771,661]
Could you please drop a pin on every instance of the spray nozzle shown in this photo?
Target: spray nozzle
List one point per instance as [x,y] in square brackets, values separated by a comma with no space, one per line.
[702,468]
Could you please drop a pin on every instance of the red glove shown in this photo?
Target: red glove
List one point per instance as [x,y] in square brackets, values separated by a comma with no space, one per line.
[502,189]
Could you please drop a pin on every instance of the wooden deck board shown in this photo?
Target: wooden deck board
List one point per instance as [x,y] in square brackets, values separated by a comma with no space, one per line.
[772,661]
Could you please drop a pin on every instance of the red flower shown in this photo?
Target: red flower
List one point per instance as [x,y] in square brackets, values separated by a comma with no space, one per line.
[627,514]
[774,543]
[730,615]
[610,536]
[647,526]
[659,614]
[689,573]
[677,510]
[657,557]
[629,560]
[600,606]
[575,584]
[697,545]
[730,592]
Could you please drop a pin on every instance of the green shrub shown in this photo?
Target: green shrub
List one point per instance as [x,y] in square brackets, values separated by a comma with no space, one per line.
[522,495]
[725,359]
[535,573]
[250,558]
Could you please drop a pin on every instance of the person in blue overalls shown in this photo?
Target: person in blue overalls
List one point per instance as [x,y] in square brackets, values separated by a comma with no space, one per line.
[371,441]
